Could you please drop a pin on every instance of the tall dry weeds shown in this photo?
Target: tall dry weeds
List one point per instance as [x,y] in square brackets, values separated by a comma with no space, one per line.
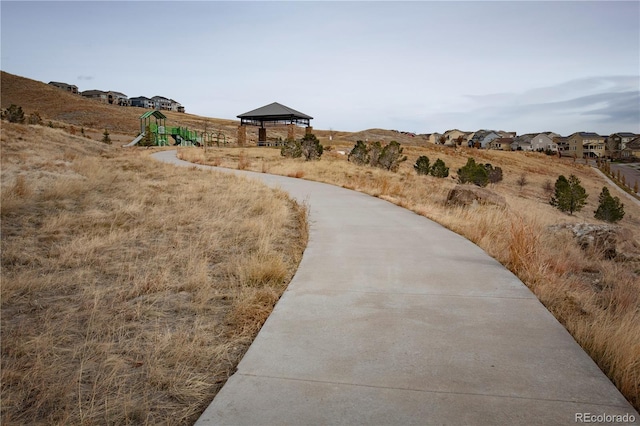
[130,289]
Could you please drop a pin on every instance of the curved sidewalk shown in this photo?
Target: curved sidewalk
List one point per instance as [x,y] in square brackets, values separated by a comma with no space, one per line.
[392,319]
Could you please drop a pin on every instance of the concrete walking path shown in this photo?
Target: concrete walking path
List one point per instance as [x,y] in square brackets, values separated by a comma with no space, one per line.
[391,319]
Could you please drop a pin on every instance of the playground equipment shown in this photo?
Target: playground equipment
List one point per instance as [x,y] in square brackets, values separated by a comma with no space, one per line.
[154,131]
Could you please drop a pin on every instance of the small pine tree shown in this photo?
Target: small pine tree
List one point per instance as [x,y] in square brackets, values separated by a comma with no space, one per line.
[391,156]
[375,149]
[422,166]
[311,148]
[569,195]
[439,169]
[13,114]
[610,208]
[494,174]
[359,154]
[105,137]
[473,173]
[291,149]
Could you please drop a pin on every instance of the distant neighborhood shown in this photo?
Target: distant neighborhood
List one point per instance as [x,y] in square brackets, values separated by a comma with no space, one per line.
[116,98]
[619,146]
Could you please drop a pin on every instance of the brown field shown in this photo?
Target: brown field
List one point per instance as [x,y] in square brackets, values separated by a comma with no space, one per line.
[596,299]
[130,289]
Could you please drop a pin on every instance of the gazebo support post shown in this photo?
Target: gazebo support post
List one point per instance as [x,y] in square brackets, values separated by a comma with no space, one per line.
[262,136]
[242,135]
[308,130]
[291,131]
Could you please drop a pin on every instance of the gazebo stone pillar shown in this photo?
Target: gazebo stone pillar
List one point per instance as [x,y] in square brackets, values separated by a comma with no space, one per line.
[291,131]
[242,135]
[308,130]
[262,136]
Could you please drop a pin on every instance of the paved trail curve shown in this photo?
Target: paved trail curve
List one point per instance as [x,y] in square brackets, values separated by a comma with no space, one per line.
[392,319]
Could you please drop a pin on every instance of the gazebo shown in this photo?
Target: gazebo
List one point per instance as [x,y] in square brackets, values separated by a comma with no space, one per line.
[273,114]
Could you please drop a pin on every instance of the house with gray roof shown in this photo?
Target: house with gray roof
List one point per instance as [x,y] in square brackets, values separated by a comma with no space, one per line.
[544,142]
[64,86]
[481,138]
[97,95]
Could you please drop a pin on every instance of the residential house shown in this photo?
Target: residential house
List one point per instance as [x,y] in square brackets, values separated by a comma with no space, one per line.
[504,134]
[165,104]
[176,106]
[522,142]
[501,144]
[562,142]
[454,136]
[64,86]
[632,149]
[481,138]
[434,138]
[586,145]
[97,95]
[544,142]
[117,98]
[142,102]
[617,142]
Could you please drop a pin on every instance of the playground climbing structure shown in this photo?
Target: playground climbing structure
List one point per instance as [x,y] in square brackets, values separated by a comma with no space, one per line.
[155,132]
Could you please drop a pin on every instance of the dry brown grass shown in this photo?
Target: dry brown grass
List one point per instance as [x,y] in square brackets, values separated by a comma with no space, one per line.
[597,300]
[130,289]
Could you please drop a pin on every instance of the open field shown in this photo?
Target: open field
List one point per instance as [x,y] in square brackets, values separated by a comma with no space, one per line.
[596,299]
[130,289]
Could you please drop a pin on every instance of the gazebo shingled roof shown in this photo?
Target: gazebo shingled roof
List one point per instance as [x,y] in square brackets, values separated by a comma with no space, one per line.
[274,113]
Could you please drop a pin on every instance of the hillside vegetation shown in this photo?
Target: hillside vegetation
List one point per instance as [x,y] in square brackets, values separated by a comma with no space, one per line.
[66,110]
[130,289]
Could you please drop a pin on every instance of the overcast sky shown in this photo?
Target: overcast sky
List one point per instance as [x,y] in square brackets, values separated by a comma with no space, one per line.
[412,66]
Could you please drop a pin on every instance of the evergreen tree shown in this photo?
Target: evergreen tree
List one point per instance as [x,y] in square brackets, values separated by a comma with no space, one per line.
[375,150]
[569,195]
[359,154]
[494,174]
[105,137]
[13,114]
[439,169]
[391,156]
[422,165]
[291,149]
[610,208]
[473,173]
[311,148]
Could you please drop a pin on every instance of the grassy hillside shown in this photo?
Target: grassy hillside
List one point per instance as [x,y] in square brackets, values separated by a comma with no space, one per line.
[66,109]
[130,289]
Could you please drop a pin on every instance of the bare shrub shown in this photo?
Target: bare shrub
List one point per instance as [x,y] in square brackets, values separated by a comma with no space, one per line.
[243,161]
[522,181]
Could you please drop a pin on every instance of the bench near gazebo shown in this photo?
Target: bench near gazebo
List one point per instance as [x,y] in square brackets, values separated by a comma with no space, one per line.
[274,114]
